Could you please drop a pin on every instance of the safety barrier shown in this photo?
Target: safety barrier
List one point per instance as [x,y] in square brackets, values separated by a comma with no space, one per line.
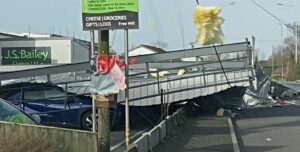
[156,135]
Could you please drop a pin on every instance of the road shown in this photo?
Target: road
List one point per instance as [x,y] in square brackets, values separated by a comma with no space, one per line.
[203,133]
[273,129]
[117,138]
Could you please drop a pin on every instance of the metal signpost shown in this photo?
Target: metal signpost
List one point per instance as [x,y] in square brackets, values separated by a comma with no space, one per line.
[107,15]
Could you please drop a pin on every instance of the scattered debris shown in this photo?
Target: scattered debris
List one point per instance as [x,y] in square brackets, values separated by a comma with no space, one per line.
[220,112]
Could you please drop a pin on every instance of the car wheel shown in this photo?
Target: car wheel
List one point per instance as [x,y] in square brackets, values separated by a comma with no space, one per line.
[87,121]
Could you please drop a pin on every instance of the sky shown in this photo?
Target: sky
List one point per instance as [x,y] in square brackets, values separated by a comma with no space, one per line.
[159,21]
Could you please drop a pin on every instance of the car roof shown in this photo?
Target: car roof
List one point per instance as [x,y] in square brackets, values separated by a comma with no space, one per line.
[26,84]
[10,89]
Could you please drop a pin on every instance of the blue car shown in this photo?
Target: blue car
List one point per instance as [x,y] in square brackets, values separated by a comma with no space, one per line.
[52,104]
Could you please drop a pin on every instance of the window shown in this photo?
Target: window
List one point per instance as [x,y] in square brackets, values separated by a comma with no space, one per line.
[33,94]
[54,93]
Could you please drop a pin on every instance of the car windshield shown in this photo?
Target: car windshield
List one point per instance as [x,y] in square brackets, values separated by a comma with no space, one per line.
[10,113]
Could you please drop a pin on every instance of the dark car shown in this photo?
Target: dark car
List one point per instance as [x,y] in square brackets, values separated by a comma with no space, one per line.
[55,106]
[11,113]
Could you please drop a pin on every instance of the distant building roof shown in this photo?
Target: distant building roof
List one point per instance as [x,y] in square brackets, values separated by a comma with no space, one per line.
[27,35]
[153,48]
[8,35]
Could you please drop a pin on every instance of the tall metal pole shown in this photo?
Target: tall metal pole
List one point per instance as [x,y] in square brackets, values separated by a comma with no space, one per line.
[296,43]
[272,60]
[127,125]
[295,30]
[93,102]
[281,39]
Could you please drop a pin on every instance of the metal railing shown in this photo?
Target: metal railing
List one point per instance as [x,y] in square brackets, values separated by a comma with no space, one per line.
[157,134]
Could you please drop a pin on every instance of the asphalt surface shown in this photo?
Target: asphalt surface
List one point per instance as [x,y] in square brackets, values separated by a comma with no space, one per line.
[200,134]
[119,136]
[273,129]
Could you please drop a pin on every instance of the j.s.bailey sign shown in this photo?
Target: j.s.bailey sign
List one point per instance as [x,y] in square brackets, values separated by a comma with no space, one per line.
[25,55]
[110,14]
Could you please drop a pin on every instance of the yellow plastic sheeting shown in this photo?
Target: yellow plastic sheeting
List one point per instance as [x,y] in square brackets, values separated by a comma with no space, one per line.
[220,112]
[160,74]
[208,25]
[181,72]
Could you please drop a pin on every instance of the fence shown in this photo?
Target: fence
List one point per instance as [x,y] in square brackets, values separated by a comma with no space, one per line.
[30,137]
[156,135]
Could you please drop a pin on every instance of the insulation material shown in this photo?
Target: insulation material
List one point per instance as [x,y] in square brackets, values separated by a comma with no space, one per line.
[208,25]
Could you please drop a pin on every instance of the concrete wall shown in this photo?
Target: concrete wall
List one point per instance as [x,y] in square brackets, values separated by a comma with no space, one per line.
[46,138]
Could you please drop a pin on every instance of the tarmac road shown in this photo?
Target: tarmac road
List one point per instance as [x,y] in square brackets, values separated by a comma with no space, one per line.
[199,134]
[275,129]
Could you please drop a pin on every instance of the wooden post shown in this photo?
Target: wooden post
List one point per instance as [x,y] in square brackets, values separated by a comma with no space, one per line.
[102,103]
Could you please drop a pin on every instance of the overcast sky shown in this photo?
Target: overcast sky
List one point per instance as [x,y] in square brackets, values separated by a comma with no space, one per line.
[242,20]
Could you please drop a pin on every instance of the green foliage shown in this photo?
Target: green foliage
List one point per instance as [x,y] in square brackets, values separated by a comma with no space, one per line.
[294,73]
[276,77]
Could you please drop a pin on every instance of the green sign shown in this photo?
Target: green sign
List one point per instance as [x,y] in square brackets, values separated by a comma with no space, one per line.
[107,6]
[109,14]
[26,55]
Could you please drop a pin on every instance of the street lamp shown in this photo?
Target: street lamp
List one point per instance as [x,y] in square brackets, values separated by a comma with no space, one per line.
[295,30]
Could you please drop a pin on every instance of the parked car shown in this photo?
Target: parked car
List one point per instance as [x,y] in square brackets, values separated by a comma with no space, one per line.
[53,104]
[11,113]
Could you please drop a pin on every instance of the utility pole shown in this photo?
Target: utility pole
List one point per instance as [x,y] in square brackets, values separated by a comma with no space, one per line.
[272,60]
[281,39]
[296,43]
[102,103]
[294,30]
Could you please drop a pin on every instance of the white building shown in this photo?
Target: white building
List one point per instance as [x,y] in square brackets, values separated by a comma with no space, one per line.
[41,49]
[145,49]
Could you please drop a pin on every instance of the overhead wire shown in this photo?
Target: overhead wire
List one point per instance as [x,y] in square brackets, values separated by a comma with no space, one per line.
[154,13]
[179,16]
[145,117]
[271,14]
[158,20]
